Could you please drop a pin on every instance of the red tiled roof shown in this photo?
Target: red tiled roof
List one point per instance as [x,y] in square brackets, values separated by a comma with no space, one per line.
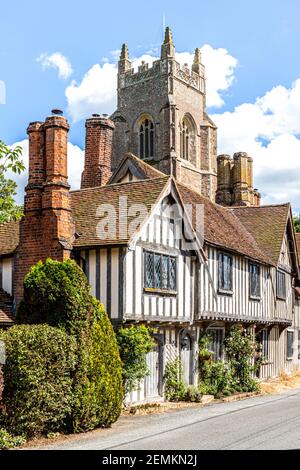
[85,204]
[267,225]
[222,228]
[9,237]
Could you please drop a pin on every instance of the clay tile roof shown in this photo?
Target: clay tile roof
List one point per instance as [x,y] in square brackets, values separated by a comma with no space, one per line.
[144,170]
[9,237]
[86,202]
[222,228]
[267,224]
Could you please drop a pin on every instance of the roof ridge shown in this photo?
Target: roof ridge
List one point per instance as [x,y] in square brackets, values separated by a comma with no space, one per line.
[121,184]
[284,204]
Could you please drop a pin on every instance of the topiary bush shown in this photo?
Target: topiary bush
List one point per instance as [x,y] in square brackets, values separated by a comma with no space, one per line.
[38,376]
[98,391]
[134,343]
[56,293]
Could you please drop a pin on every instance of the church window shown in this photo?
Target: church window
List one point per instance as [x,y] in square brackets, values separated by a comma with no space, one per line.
[146,139]
[184,144]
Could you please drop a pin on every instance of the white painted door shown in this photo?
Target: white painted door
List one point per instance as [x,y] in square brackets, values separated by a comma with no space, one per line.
[186,351]
[152,380]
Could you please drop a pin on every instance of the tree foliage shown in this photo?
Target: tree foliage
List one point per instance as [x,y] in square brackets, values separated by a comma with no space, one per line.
[10,160]
[134,343]
[296,220]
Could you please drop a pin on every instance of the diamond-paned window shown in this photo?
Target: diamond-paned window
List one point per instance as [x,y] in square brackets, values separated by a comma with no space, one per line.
[149,270]
[164,271]
[157,271]
[160,271]
[172,273]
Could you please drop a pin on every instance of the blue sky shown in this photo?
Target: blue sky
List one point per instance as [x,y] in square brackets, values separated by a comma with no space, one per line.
[263,38]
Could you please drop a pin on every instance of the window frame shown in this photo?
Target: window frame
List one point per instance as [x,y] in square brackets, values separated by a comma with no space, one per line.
[253,295]
[219,334]
[289,347]
[279,294]
[265,339]
[146,138]
[222,289]
[170,288]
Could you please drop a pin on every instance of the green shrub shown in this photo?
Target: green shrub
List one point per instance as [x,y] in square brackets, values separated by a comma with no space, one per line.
[175,388]
[134,343]
[40,362]
[59,294]
[192,394]
[219,380]
[98,392]
[240,350]
[56,293]
[8,441]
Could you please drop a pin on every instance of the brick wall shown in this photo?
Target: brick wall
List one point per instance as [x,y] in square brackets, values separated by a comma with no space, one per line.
[98,151]
[47,229]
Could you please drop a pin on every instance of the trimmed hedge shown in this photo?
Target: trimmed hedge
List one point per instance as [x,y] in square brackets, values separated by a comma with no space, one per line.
[59,294]
[38,379]
[98,391]
[56,293]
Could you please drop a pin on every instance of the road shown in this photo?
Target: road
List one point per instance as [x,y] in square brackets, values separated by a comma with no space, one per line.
[269,422]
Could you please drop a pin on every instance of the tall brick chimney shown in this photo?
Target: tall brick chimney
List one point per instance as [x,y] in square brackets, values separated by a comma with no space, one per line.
[98,151]
[235,181]
[47,229]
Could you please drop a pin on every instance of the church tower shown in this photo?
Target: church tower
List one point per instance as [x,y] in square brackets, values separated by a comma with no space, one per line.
[161,117]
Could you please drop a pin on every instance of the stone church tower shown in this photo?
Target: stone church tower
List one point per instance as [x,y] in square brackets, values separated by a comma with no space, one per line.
[161,118]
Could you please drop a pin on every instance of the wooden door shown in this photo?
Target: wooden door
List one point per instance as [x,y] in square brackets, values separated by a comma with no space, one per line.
[152,380]
[186,358]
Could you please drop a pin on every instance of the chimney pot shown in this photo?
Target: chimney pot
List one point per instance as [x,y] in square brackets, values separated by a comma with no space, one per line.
[57,112]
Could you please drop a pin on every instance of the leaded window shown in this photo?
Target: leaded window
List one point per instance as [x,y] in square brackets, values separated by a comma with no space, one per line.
[289,344]
[265,344]
[280,285]
[216,343]
[254,280]
[160,271]
[146,139]
[184,140]
[225,272]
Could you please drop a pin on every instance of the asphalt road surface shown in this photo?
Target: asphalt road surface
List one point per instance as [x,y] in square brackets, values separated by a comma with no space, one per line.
[270,422]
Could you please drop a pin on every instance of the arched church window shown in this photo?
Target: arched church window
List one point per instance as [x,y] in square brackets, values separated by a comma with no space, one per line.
[185,136]
[146,139]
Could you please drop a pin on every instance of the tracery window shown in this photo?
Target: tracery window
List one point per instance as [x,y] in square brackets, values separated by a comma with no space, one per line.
[184,140]
[146,139]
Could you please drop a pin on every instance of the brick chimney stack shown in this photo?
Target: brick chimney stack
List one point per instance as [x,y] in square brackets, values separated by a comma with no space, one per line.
[98,151]
[235,181]
[47,229]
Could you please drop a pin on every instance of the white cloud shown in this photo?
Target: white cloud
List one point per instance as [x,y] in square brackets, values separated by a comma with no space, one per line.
[268,130]
[75,167]
[57,61]
[96,93]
